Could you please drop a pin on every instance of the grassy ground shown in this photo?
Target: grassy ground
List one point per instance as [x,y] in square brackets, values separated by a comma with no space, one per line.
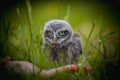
[22,42]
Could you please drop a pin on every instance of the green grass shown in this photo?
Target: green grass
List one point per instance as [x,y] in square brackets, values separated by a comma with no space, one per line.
[28,46]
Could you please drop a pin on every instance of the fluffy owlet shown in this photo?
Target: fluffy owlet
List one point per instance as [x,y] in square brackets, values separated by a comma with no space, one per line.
[60,39]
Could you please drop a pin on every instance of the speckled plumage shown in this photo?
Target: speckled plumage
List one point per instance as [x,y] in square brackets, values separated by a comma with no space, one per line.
[61,40]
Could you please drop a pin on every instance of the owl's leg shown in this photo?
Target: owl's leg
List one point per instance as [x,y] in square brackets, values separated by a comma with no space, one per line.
[67,57]
[54,56]
[75,58]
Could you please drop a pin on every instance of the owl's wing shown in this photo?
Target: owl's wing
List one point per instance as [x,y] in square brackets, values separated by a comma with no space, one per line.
[77,44]
[76,47]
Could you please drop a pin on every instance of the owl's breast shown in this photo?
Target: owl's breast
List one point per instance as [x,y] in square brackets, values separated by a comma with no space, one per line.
[58,47]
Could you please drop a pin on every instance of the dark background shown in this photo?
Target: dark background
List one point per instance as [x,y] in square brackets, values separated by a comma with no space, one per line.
[6,5]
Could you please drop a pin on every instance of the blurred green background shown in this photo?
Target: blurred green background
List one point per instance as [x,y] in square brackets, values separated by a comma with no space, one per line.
[80,14]
[22,24]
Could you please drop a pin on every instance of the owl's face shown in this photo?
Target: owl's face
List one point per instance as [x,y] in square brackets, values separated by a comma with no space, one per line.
[56,32]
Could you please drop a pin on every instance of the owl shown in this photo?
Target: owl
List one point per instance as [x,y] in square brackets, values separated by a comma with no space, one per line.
[63,44]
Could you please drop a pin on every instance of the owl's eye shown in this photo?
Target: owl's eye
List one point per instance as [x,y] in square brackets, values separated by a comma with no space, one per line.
[49,33]
[62,33]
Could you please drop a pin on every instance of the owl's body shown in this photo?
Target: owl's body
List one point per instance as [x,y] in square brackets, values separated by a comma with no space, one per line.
[60,39]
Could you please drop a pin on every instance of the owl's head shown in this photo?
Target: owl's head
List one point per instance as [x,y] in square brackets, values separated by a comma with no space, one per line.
[57,32]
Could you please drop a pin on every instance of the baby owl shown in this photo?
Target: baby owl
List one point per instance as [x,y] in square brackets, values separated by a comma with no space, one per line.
[60,39]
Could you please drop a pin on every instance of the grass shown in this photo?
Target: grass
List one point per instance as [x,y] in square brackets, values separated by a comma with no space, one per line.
[28,47]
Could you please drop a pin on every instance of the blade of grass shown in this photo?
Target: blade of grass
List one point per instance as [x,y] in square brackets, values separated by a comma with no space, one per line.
[67,16]
[31,25]
[20,17]
[95,47]
[90,34]
[30,20]
[58,2]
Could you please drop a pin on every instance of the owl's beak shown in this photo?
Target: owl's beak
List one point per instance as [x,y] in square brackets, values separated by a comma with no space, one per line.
[55,38]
